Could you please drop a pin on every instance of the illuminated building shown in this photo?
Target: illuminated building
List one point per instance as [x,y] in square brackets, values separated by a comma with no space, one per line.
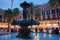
[4,24]
[19,17]
[49,17]
[1,15]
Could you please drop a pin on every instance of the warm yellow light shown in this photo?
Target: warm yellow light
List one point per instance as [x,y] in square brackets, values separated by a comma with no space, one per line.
[50,31]
[29,26]
[5,25]
[44,30]
[35,26]
[33,30]
[43,24]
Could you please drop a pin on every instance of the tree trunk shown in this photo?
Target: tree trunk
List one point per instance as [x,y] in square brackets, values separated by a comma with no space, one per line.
[8,30]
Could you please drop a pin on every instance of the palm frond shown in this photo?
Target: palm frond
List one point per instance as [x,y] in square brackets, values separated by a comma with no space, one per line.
[53,2]
[10,14]
[16,11]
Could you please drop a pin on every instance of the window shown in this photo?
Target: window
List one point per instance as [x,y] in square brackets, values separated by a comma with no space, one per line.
[58,10]
[43,17]
[53,11]
[48,17]
[20,17]
[48,12]
[40,18]
[43,13]
[54,17]
[0,20]
[58,14]
[0,16]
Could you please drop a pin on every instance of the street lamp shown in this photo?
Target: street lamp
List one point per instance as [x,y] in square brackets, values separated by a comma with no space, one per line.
[12,3]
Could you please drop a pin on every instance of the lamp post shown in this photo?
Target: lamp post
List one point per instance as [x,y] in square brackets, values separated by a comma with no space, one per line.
[12,3]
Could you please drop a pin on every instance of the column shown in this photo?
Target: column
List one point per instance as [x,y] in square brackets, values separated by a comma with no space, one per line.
[51,14]
[2,18]
[33,15]
[41,16]
[56,14]
[46,16]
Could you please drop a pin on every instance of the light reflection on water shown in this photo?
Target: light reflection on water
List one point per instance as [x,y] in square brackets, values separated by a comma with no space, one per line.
[35,36]
[44,35]
[50,35]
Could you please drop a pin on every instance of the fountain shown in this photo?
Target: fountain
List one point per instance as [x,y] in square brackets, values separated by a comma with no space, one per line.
[24,31]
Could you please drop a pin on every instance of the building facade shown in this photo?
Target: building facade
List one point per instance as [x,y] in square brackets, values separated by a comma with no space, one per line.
[48,13]
[49,16]
[1,15]
[19,17]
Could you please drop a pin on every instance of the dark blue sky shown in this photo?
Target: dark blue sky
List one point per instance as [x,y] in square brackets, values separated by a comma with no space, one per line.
[5,4]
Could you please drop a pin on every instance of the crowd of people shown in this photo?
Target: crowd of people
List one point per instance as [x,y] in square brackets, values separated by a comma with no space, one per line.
[48,30]
[5,30]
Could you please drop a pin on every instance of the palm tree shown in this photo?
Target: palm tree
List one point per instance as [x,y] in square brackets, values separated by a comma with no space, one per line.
[9,15]
[55,3]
